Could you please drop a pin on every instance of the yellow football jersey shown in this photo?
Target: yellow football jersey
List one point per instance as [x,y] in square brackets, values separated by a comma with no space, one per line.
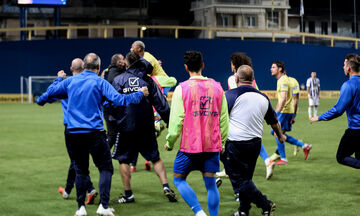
[294,86]
[158,70]
[284,85]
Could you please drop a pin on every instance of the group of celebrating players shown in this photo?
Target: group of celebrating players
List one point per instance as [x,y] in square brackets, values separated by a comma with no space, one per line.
[213,125]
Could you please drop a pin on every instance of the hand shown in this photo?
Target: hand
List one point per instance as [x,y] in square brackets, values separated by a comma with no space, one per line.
[310,96]
[222,151]
[314,119]
[103,74]
[282,139]
[40,103]
[157,118]
[167,148]
[145,90]
[160,62]
[292,121]
[61,74]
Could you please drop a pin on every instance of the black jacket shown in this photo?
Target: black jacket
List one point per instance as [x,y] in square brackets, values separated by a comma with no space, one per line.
[138,117]
[112,71]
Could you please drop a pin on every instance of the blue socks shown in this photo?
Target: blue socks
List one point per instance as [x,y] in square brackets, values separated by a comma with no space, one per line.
[190,198]
[213,198]
[263,154]
[281,148]
[294,141]
[187,193]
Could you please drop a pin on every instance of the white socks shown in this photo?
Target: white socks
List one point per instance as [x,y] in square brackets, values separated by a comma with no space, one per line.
[267,160]
[201,213]
[310,111]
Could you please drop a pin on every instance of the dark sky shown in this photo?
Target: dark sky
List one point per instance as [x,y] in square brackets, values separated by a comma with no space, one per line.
[345,6]
[180,9]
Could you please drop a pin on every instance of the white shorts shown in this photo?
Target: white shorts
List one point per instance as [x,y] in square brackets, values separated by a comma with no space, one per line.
[314,101]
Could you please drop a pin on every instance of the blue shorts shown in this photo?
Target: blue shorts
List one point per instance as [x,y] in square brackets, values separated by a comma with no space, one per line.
[205,162]
[285,120]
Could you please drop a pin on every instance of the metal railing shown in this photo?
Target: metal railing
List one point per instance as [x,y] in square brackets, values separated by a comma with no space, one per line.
[210,30]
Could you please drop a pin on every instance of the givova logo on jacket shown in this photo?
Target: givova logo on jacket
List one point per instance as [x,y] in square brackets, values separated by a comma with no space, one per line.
[134,85]
[205,105]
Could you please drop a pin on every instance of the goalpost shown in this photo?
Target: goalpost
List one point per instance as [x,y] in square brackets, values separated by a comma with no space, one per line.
[35,86]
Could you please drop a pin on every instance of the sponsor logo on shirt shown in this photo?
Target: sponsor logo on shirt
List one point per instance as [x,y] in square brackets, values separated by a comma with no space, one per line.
[134,85]
[134,81]
[205,102]
[205,105]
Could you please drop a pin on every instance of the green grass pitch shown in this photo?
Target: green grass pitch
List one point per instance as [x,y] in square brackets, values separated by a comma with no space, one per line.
[34,162]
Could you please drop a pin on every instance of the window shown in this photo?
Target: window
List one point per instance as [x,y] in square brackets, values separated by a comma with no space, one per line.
[324,28]
[273,19]
[83,33]
[118,32]
[251,21]
[311,27]
[225,20]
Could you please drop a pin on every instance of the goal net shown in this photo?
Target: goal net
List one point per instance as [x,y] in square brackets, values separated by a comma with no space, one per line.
[34,86]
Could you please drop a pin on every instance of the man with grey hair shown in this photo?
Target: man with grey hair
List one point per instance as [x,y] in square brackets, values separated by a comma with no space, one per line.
[248,108]
[77,66]
[86,93]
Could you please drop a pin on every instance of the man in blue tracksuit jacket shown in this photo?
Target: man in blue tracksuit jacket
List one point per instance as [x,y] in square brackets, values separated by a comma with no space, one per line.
[349,101]
[136,130]
[86,93]
[77,66]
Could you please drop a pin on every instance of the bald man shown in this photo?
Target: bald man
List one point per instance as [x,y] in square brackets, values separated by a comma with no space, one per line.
[77,66]
[86,93]
[247,110]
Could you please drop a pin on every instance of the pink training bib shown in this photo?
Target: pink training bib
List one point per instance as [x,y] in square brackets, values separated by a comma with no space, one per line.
[202,100]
